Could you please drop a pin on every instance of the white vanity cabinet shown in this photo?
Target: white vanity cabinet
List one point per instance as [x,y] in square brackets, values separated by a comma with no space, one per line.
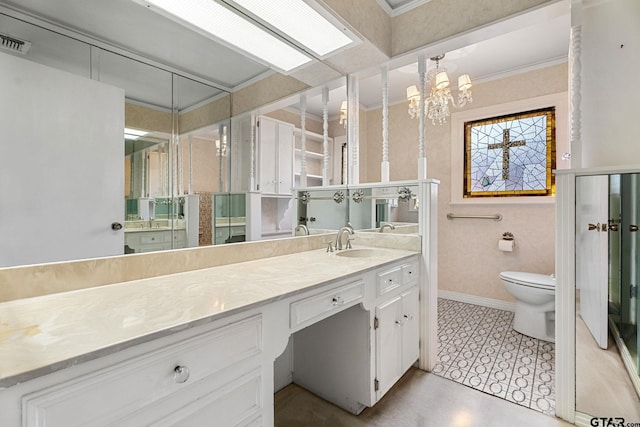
[353,357]
[353,335]
[213,375]
[396,339]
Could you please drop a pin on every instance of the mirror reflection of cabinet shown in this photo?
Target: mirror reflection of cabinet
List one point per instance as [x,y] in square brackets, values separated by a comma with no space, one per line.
[275,147]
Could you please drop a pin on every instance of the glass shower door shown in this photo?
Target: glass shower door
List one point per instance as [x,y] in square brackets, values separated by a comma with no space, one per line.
[630,271]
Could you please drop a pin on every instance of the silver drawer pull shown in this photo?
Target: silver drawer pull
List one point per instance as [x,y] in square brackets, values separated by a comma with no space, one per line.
[399,322]
[408,317]
[337,301]
[181,374]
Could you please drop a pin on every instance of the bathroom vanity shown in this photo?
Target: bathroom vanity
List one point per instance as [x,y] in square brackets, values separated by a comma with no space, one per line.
[192,347]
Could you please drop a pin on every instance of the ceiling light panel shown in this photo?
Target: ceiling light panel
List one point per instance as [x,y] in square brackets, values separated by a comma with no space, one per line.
[300,22]
[216,21]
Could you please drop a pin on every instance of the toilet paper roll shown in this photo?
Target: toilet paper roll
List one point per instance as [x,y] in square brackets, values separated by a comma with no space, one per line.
[506,245]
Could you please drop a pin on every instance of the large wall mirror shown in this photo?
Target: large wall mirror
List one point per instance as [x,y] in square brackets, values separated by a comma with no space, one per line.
[175,149]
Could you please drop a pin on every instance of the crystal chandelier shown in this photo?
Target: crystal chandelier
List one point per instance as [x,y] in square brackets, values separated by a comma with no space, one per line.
[437,102]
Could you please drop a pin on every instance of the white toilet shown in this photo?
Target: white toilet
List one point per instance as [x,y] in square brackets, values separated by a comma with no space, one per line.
[535,303]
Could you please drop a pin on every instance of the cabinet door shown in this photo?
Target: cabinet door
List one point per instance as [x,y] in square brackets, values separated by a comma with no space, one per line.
[410,328]
[285,159]
[68,170]
[388,344]
[276,156]
[268,145]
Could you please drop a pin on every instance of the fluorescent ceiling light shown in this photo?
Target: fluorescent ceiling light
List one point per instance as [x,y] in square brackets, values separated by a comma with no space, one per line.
[133,133]
[214,20]
[300,22]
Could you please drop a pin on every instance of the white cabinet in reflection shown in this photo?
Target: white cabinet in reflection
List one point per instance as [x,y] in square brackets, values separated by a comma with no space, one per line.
[275,148]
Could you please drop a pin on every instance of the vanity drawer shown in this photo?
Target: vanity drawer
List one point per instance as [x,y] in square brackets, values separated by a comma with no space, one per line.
[389,280]
[409,273]
[317,307]
[152,237]
[119,391]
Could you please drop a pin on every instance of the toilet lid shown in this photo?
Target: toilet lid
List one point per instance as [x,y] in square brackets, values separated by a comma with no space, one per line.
[529,279]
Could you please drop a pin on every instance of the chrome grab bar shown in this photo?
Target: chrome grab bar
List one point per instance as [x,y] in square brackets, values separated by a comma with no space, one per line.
[496,217]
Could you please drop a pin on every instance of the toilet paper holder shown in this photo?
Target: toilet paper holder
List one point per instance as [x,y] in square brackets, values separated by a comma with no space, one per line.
[507,235]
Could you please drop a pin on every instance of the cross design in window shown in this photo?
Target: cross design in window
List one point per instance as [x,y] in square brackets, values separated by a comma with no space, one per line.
[505,145]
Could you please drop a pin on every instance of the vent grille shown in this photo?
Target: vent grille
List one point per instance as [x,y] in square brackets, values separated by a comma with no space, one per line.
[13,44]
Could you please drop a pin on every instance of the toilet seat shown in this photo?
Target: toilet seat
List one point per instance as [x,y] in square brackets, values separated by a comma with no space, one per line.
[534,280]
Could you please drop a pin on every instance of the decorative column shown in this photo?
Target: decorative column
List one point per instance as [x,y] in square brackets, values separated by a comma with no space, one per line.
[325,136]
[303,140]
[575,85]
[384,167]
[180,163]
[422,152]
[353,128]
[222,152]
[252,155]
[190,164]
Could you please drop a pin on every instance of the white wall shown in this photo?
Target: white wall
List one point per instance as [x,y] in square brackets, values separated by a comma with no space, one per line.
[61,168]
[610,91]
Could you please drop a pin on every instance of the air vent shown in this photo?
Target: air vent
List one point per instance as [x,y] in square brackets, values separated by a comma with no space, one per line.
[13,44]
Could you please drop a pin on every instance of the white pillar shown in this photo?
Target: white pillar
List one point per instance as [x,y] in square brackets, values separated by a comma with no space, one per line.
[303,140]
[575,83]
[190,185]
[422,152]
[222,152]
[252,155]
[353,135]
[325,136]
[384,167]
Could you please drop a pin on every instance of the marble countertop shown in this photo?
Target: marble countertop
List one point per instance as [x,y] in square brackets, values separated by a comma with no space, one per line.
[43,334]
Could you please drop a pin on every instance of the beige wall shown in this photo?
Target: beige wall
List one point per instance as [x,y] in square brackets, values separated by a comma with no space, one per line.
[208,114]
[139,117]
[439,19]
[205,164]
[264,92]
[468,259]
[367,18]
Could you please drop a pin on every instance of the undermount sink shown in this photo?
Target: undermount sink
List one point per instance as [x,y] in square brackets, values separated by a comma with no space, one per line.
[359,253]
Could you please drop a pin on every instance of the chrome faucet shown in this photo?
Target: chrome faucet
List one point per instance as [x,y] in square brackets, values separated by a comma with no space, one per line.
[304,229]
[348,230]
[386,225]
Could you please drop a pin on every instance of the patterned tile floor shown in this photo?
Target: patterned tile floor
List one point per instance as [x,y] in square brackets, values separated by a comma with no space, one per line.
[479,348]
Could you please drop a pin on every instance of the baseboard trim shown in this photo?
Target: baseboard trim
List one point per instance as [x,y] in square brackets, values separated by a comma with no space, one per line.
[473,299]
[582,419]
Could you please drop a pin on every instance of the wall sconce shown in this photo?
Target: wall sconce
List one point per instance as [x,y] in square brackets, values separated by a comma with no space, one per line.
[343,114]
[221,147]
[413,96]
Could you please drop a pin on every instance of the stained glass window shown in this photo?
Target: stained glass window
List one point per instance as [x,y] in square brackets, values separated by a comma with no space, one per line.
[510,155]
